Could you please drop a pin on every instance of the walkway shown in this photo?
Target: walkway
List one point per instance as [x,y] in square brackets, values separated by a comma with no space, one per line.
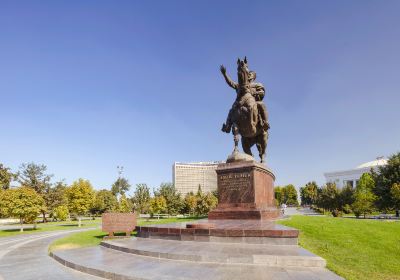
[25,257]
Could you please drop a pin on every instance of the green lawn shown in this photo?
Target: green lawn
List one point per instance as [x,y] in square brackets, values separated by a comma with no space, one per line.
[50,226]
[94,237]
[354,248]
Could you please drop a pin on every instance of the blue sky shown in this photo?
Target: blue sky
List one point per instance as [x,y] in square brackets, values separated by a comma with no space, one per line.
[89,85]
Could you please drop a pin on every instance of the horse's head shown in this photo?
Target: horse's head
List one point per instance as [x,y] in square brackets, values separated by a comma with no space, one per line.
[243,72]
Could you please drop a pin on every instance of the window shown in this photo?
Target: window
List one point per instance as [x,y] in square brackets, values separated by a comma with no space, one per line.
[348,183]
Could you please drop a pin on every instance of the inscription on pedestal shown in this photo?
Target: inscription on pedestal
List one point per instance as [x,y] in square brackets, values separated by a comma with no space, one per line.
[234,182]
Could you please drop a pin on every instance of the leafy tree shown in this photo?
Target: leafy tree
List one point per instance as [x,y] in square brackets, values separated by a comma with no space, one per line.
[104,201]
[158,205]
[190,203]
[384,178]
[395,192]
[80,197]
[329,197]
[141,198]
[205,203]
[289,195]
[172,197]
[364,198]
[6,177]
[61,213]
[120,186]
[125,205]
[55,197]
[278,195]
[23,203]
[215,193]
[34,176]
[309,193]
[5,200]
[346,199]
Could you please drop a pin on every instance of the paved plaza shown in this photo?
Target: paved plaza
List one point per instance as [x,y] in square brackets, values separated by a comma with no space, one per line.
[25,257]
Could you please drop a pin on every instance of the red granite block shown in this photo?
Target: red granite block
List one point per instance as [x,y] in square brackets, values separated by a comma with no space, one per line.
[234,232]
[187,231]
[201,231]
[174,231]
[153,229]
[253,232]
[163,230]
[217,232]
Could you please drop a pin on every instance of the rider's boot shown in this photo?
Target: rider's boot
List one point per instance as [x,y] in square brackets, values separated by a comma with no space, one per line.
[226,128]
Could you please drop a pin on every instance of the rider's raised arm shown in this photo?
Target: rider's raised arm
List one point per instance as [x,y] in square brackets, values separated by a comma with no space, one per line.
[228,80]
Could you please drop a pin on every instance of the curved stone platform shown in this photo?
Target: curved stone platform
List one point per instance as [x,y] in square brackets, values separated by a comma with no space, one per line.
[113,264]
[222,253]
[232,231]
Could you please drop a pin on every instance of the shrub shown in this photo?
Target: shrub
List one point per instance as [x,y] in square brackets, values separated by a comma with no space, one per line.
[61,213]
[347,209]
[336,213]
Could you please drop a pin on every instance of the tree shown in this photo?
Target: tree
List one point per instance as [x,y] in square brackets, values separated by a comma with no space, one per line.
[5,200]
[125,205]
[55,197]
[141,198]
[346,199]
[289,195]
[61,213]
[384,178]
[278,195]
[34,176]
[395,192]
[104,201]
[172,197]
[23,203]
[6,177]
[190,203]
[364,198]
[158,205]
[205,203]
[309,193]
[329,197]
[80,197]
[120,186]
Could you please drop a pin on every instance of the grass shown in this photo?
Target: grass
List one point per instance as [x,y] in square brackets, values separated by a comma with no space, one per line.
[50,226]
[353,248]
[94,237]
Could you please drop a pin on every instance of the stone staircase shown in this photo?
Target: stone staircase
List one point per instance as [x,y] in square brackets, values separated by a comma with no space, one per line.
[148,258]
[222,253]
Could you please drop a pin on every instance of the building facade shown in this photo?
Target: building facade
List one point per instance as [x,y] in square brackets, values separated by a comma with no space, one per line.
[187,177]
[352,176]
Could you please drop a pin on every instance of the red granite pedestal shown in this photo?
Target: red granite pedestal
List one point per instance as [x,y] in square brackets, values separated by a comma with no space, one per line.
[246,191]
[244,214]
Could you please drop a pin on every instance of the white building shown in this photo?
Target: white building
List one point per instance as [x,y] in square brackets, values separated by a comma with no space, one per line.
[352,176]
[187,177]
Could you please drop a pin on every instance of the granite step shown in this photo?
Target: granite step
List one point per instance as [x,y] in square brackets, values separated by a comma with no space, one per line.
[113,264]
[226,253]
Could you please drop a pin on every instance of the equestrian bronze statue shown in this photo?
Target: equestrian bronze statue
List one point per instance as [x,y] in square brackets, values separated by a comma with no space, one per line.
[248,116]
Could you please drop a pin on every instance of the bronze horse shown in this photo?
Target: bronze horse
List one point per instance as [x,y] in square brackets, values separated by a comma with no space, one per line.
[244,115]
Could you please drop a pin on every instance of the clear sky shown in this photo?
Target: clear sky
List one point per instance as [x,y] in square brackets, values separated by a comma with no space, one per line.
[89,85]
